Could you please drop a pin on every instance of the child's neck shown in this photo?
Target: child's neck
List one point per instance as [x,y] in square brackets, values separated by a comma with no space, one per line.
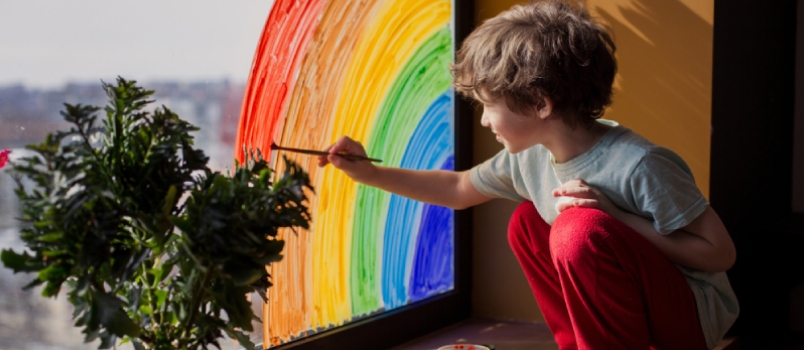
[567,143]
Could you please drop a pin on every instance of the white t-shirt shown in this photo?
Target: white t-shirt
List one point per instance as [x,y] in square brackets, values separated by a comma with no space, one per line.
[637,176]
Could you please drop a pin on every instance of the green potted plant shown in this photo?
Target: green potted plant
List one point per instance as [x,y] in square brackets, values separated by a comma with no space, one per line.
[154,247]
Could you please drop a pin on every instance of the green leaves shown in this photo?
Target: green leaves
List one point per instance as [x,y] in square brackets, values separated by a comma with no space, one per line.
[20,262]
[155,248]
[109,312]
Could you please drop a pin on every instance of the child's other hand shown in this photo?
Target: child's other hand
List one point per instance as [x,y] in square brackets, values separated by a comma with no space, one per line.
[359,170]
[585,196]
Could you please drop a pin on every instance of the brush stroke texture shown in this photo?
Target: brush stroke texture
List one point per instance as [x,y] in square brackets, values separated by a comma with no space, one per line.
[377,71]
[398,30]
[433,269]
[423,79]
[309,116]
[429,148]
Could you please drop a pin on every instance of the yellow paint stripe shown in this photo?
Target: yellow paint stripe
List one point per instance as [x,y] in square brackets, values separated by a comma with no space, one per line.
[399,28]
[308,123]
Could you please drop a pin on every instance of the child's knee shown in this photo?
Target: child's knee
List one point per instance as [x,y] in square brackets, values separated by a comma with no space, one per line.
[577,232]
[522,219]
[523,212]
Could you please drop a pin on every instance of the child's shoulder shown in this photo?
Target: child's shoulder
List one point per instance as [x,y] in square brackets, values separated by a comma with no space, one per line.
[630,150]
[622,142]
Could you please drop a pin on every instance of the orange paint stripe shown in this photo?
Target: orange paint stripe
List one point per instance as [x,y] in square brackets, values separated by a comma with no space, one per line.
[288,30]
[311,111]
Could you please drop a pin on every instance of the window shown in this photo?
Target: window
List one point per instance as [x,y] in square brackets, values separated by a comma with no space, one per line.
[368,274]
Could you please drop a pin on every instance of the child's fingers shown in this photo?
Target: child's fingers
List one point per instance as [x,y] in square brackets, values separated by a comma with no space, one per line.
[342,162]
[562,202]
[564,206]
[336,160]
[343,145]
[569,187]
[347,146]
[586,203]
[558,192]
[322,161]
[579,203]
[572,191]
[339,146]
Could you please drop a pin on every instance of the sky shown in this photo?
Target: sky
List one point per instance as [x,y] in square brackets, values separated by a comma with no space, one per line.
[47,43]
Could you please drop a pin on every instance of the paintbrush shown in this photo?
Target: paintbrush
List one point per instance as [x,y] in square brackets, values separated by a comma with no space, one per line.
[274,146]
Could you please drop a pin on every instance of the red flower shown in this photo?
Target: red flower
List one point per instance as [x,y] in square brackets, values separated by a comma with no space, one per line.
[4,157]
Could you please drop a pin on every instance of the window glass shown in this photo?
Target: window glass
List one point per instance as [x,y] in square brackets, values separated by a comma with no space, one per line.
[195,54]
[377,71]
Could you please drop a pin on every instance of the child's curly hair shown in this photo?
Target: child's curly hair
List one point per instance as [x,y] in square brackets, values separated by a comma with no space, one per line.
[540,49]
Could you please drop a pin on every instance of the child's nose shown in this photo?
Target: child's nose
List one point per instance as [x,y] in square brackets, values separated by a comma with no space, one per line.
[484,120]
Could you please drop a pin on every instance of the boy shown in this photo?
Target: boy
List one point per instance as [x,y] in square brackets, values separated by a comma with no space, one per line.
[619,246]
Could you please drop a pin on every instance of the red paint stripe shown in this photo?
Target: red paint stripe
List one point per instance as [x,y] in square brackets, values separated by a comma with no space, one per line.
[283,43]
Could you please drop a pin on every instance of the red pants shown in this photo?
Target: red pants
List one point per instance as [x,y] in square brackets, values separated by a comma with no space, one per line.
[601,285]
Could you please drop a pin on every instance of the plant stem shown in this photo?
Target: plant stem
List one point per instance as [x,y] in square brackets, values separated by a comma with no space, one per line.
[150,291]
[196,303]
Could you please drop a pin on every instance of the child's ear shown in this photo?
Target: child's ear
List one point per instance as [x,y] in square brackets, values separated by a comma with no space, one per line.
[544,108]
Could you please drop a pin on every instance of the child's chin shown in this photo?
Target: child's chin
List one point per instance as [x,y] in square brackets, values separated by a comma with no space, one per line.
[512,150]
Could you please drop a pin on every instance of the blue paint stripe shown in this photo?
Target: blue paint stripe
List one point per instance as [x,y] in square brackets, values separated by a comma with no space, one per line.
[433,269]
[430,146]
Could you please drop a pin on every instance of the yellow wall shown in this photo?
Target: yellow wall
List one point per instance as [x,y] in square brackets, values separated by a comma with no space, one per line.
[664,83]
[663,92]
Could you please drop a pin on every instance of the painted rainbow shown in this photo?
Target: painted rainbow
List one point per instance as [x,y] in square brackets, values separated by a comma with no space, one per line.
[377,71]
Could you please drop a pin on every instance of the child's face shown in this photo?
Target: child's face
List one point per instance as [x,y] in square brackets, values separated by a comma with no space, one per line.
[515,131]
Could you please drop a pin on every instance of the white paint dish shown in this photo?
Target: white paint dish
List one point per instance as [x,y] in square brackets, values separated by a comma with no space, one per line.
[464,347]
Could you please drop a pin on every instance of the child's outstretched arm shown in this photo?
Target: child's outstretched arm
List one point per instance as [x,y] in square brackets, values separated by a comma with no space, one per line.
[704,244]
[440,187]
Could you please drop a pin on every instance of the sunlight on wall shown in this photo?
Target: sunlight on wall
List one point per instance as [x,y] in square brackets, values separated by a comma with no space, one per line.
[663,89]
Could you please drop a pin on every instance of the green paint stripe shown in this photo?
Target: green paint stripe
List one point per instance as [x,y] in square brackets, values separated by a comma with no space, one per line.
[425,77]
